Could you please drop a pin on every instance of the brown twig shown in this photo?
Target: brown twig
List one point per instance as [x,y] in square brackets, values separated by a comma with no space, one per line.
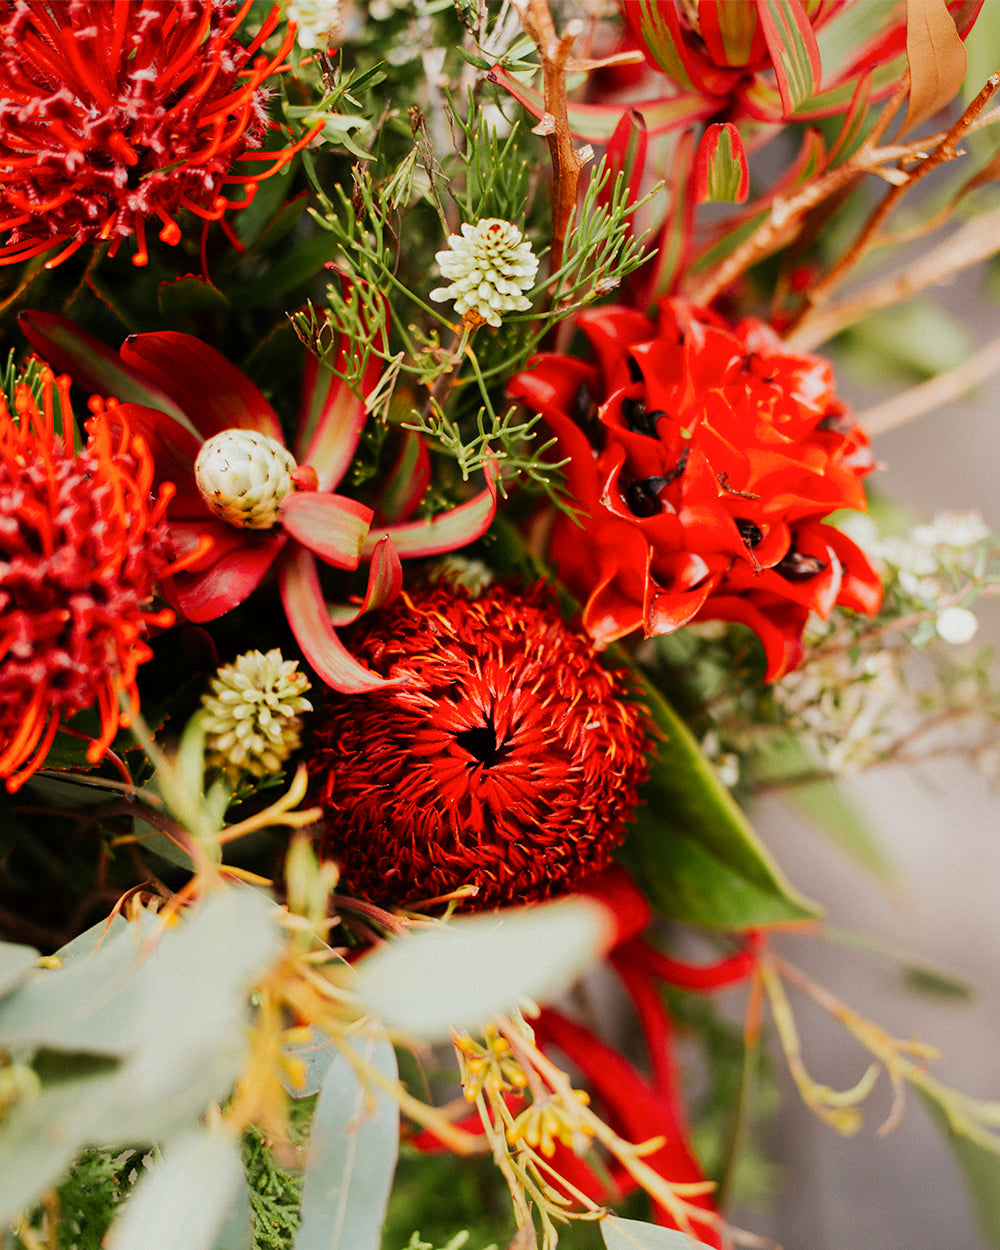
[945,150]
[786,212]
[969,245]
[567,161]
[946,388]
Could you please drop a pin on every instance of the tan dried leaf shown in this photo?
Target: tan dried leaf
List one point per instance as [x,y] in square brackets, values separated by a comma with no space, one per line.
[936,56]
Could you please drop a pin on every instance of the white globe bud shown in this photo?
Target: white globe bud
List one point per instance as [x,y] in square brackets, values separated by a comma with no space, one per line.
[243,477]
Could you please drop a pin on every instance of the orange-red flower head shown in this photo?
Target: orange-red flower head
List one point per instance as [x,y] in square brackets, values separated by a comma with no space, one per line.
[115,113]
[82,544]
[705,459]
[508,758]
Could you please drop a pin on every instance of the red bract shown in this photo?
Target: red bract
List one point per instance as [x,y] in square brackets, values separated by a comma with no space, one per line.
[704,459]
[82,544]
[186,395]
[120,112]
[506,757]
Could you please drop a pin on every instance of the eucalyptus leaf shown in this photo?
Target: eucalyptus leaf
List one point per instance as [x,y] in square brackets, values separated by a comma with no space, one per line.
[976,1151]
[16,962]
[315,1056]
[465,973]
[353,1144]
[185,1201]
[622,1234]
[41,1135]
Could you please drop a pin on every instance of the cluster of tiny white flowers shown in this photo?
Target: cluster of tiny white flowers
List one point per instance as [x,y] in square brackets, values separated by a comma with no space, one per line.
[243,476]
[847,705]
[254,721]
[490,266]
[316,21]
[952,540]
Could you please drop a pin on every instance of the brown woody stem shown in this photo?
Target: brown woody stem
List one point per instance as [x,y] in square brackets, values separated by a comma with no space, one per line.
[567,161]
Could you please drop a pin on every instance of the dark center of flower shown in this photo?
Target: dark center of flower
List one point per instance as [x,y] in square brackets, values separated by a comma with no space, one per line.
[750,532]
[796,567]
[481,743]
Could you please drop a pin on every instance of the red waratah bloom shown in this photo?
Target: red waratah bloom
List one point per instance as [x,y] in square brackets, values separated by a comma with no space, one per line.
[704,459]
[118,112]
[244,502]
[506,758]
[82,545]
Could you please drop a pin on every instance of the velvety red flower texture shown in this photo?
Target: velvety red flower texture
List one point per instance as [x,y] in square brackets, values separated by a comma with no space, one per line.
[509,758]
[122,111]
[82,544]
[704,459]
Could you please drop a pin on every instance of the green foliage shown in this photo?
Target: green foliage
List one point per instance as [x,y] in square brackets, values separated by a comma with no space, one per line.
[275,1193]
[86,1202]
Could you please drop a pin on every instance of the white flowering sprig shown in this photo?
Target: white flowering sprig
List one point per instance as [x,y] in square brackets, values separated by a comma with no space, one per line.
[254,721]
[491,266]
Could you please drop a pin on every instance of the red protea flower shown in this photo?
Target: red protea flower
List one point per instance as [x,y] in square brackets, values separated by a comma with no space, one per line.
[118,112]
[508,758]
[245,503]
[705,459]
[82,544]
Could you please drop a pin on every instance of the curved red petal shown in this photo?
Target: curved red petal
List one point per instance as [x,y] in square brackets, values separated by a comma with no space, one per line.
[231,572]
[333,527]
[213,393]
[309,618]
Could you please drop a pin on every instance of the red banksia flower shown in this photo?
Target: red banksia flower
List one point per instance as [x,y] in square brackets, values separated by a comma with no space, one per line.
[82,544]
[705,459]
[118,112]
[508,759]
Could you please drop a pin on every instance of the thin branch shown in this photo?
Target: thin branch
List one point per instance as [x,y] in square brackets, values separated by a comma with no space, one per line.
[946,388]
[944,151]
[567,161]
[969,245]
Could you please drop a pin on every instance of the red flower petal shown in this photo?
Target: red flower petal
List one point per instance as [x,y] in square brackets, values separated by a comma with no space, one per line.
[332,527]
[213,393]
[309,618]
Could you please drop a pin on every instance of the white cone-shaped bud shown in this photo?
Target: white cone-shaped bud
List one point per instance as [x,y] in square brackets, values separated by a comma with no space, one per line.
[243,477]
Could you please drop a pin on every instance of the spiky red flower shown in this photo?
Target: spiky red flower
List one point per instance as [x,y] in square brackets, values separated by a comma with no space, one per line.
[705,458]
[508,758]
[118,112]
[82,544]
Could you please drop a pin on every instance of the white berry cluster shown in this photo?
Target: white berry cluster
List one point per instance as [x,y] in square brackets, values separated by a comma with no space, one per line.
[490,266]
[254,721]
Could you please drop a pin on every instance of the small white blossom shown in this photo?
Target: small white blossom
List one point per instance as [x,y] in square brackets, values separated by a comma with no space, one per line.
[243,477]
[253,713]
[490,265]
[957,625]
[958,530]
[317,21]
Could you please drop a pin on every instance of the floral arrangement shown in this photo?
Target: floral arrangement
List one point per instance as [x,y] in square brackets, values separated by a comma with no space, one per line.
[429,518]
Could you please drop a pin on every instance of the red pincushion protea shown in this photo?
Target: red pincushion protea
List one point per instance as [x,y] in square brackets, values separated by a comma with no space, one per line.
[122,111]
[705,459]
[82,544]
[508,758]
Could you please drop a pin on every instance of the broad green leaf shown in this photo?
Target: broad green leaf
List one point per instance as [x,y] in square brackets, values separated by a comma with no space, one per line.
[353,1144]
[721,172]
[695,853]
[185,1200]
[465,973]
[190,295]
[620,1234]
[823,804]
[976,1150]
[16,962]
